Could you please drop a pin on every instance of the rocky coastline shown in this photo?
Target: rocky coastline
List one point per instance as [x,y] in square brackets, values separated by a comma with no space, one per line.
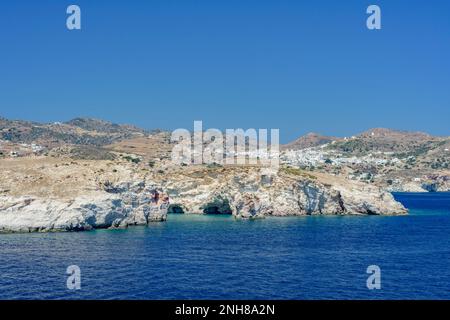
[87,174]
[135,197]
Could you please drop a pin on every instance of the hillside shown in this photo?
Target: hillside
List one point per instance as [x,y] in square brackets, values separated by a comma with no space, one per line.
[79,131]
[395,160]
[392,159]
[308,141]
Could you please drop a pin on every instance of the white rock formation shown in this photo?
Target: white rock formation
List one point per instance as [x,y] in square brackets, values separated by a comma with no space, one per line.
[81,196]
[113,207]
[250,193]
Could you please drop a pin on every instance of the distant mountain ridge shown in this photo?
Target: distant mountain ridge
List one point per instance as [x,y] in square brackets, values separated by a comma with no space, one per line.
[384,133]
[97,132]
[78,131]
[372,140]
[92,124]
[310,140]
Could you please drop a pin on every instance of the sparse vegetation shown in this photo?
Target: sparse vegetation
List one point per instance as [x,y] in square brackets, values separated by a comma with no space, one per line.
[132,159]
[297,172]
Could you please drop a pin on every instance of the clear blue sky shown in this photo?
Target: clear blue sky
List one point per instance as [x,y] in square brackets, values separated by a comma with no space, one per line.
[299,66]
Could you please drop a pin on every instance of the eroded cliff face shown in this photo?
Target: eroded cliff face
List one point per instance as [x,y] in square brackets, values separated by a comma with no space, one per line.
[258,192]
[111,206]
[53,195]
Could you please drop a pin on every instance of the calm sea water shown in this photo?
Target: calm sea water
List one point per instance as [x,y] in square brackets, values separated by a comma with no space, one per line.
[217,257]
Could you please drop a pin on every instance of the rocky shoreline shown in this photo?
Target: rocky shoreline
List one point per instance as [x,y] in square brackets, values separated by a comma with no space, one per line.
[136,205]
[136,198]
[87,173]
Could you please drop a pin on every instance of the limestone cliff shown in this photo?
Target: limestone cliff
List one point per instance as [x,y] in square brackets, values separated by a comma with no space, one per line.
[258,192]
[54,194]
[116,207]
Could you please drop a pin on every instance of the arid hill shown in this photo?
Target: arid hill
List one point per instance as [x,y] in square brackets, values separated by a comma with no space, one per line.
[395,160]
[79,131]
[310,140]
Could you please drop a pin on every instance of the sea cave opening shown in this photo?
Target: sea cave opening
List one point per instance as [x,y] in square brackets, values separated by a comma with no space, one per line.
[175,208]
[218,206]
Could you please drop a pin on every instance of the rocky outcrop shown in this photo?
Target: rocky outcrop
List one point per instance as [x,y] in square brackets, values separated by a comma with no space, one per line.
[113,206]
[56,195]
[429,183]
[254,193]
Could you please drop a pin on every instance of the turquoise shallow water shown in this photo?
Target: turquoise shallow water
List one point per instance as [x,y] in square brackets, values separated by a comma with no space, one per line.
[217,257]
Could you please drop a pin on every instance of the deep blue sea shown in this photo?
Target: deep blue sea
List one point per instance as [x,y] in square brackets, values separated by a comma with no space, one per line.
[218,257]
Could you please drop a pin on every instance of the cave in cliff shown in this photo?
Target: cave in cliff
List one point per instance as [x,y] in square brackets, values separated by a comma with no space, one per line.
[218,206]
[175,208]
